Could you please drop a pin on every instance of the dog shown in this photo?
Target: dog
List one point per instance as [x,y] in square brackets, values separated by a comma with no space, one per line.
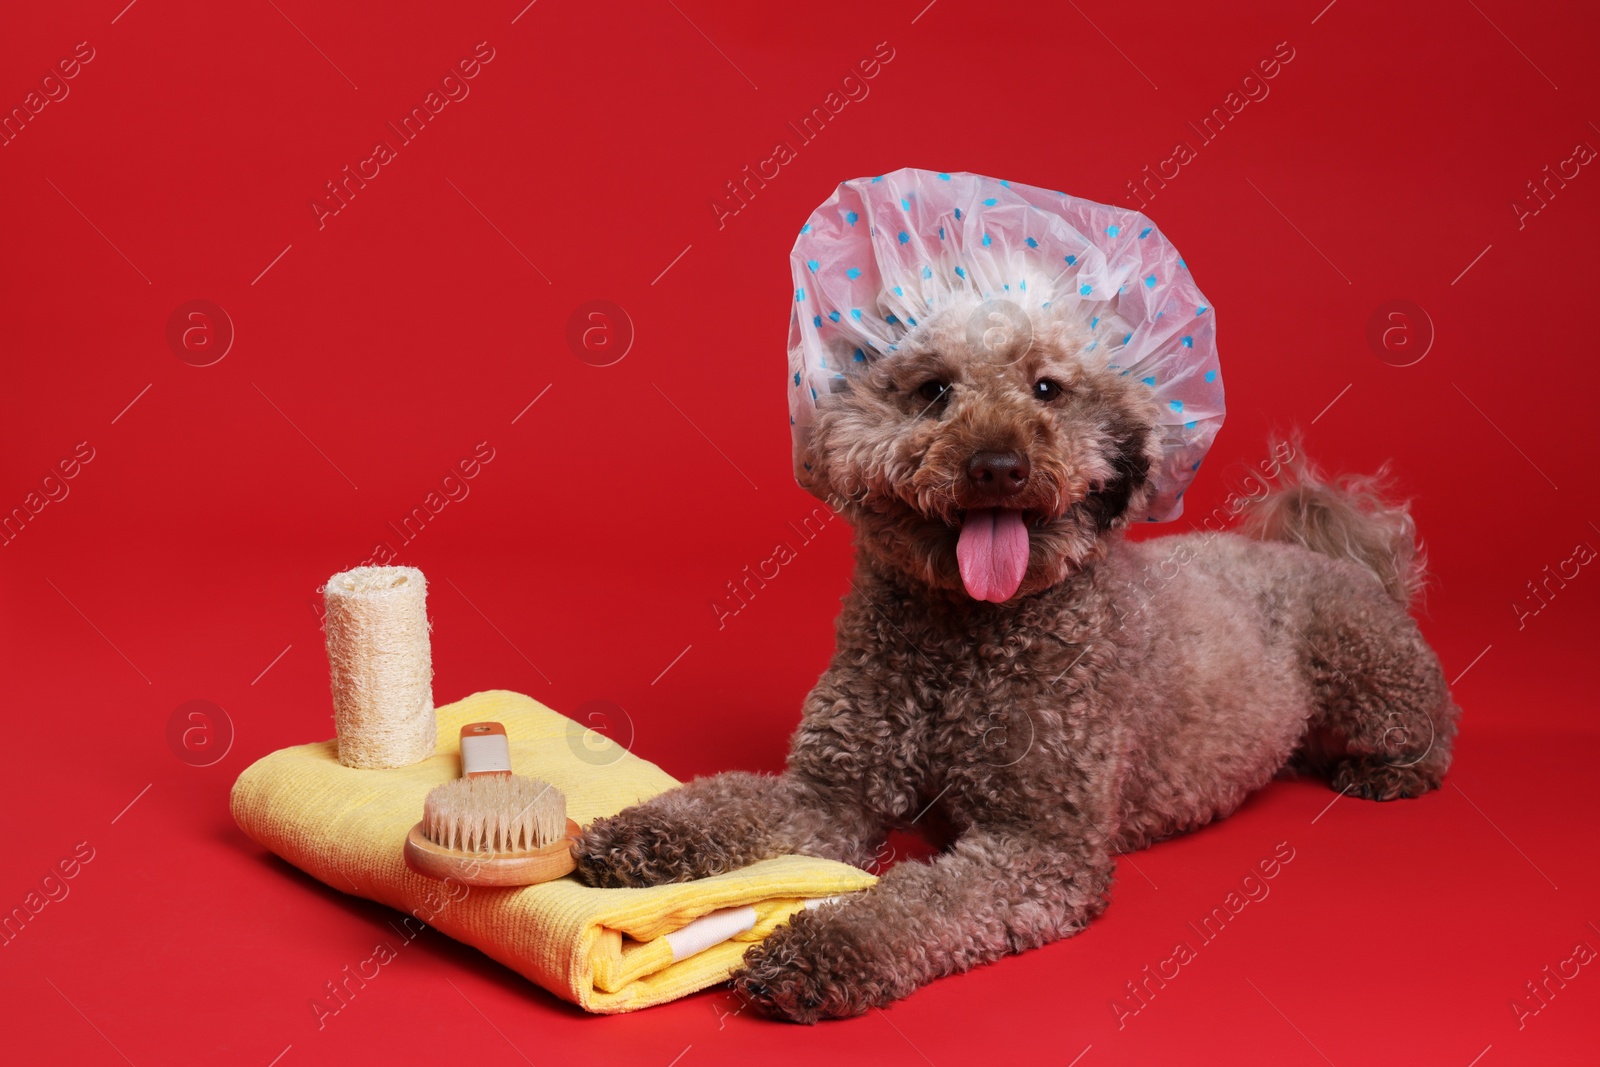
[1011,668]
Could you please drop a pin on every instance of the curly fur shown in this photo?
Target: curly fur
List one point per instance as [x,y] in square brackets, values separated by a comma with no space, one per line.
[1127,692]
[1349,518]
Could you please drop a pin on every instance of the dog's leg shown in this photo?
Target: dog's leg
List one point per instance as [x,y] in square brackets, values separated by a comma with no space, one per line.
[992,894]
[1385,722]
[718,824]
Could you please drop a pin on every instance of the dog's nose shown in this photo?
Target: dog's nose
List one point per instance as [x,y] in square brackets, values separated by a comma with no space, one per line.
[1000,473]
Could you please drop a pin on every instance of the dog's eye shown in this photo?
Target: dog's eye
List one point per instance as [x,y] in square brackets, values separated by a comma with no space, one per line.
[934,392]
[1046,390]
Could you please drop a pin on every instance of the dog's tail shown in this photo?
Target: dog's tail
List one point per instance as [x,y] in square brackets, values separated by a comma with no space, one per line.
[1350,517]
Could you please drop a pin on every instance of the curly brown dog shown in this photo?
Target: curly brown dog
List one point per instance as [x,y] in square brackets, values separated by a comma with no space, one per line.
[1127,691]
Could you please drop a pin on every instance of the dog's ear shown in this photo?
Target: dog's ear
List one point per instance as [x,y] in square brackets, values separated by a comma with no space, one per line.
[811,467]
[1133,446]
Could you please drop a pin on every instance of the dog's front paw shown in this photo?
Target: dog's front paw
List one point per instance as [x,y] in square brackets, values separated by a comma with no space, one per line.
[634,848]
[808,970]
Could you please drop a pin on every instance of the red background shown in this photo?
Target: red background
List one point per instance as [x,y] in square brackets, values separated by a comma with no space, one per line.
[377,351]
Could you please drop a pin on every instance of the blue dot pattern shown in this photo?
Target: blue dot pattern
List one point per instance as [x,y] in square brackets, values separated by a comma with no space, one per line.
[935,241]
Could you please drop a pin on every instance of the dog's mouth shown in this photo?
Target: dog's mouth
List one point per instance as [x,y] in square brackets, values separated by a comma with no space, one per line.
[992,551]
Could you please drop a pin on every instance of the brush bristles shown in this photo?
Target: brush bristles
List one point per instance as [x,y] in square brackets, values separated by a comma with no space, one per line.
[494,813]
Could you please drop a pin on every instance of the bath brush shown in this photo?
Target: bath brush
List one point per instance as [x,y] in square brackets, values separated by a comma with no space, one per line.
[491,827]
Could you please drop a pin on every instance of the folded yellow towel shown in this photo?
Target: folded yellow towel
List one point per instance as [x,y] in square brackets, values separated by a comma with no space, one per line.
[606,950]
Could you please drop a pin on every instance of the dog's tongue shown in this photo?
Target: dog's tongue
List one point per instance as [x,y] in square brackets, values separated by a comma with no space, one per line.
[993,553]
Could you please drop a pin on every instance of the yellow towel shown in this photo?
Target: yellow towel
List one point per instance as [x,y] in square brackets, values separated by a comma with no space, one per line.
[603,949]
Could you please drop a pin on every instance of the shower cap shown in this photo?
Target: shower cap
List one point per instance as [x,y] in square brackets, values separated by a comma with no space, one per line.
[882,254]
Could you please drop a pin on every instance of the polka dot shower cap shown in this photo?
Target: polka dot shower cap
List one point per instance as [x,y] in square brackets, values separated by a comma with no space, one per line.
[882,254]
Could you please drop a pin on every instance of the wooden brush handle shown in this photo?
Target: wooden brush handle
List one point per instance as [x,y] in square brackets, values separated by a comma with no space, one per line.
[484,749]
